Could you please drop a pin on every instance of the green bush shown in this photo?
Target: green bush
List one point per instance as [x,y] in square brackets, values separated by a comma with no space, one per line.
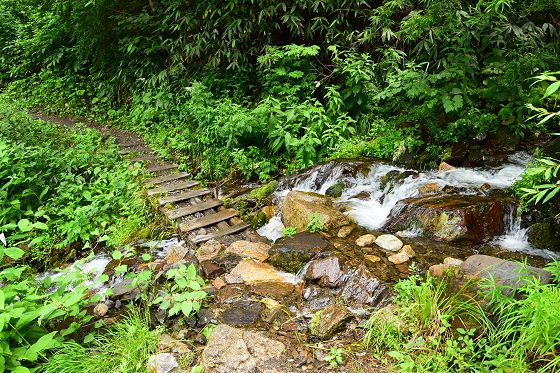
[60,186]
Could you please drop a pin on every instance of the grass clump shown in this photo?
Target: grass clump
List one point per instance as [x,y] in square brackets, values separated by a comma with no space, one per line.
[434,327]
[123,348]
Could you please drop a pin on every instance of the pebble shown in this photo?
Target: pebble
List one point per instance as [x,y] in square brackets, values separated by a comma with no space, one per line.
[100,310]
[389,242]
[365,240]
[345,231]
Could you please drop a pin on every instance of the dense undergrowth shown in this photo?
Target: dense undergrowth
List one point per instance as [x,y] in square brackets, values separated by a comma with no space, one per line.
[435,325]
[264,87]
[63,189]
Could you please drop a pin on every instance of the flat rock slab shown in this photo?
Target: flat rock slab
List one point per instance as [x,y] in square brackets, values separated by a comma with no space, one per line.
[233,350]
[264,279]
[503,272]
[292,253]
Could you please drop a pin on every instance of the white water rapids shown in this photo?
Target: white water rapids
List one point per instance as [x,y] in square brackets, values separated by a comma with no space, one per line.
[369,202]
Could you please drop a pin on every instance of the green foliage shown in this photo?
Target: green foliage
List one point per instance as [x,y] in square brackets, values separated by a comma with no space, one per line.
[36,316]
[289,231]
[433,328]
[315,223]
[334,357]
[258,88]
[61,186]
[185,295]
[124,347]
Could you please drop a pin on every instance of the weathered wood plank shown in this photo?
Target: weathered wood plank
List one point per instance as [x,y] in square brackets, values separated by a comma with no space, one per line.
[223,232]
[159,168]
[132,143]
[172,187]
[144,158]
[189,210]
[166,178]
[208,220]
[183,196]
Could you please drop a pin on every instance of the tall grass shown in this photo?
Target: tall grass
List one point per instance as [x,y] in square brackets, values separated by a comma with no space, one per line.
[123,348]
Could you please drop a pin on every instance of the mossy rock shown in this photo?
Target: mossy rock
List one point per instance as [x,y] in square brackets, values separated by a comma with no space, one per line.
[544,236]
[335,190]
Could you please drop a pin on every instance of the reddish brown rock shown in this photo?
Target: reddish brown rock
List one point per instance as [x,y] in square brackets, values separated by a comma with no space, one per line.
[452,218]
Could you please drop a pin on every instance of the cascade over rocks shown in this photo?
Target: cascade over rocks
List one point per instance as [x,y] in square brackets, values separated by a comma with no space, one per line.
[452,218]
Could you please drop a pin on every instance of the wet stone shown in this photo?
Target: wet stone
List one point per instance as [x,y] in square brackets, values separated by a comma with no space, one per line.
[292,253]
[326,270]
[317,298]
[233,350]
[175,254]
[365,240]
[389,242]
[335,190]
[325,323]
[100,310]
[264,279]
[247,249]
[502,272]
[242,313]
[209,250]
[162,363]
[364,288]
[345,231]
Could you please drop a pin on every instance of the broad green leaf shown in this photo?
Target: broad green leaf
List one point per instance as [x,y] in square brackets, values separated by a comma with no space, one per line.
[25,225]
[43,343]
[14,252]
[552,89]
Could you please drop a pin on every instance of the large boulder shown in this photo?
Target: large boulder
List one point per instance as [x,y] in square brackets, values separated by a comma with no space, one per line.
[298,208]
[292,253]
[452,218]
[503,272]
[233,350]
[264,279]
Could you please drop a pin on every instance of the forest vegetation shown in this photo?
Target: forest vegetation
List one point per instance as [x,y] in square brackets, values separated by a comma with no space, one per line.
[251,90]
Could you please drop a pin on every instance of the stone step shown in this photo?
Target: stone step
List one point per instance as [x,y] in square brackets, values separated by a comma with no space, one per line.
[144,158]
[208,220]
[223,232]
[189,210]
[183,196]
[180,185]
[159,168]
[166,178]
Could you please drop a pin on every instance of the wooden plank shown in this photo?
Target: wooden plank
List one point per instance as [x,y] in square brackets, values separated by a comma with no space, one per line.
[180,185]
[208,220]
[159,168]
[166,178]
[144,158]
[183,196]
[197,207]
[131,143]
[221,233]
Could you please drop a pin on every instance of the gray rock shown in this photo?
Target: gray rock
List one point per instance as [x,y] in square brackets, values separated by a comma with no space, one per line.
[389,242]
[292,253]
[326,270]
[335,190]
[504,272]
[364,288]
[233,350]
[242,313]
[162,363]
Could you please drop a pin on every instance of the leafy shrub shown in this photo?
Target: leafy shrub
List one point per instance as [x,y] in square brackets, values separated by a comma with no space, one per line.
[61,186]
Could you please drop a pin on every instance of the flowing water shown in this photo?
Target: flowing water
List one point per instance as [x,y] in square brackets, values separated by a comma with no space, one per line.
[369,198]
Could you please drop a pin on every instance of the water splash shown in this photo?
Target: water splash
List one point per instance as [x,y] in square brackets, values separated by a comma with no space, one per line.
[369,200]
